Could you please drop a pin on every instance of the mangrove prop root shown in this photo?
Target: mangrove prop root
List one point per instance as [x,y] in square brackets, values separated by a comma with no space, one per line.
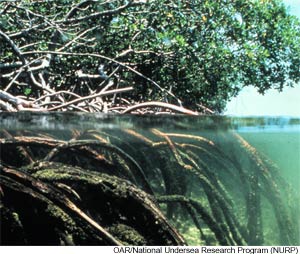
[123,186]
[203,213]
[272,192]
[60,146]
[36,188]
[94,219]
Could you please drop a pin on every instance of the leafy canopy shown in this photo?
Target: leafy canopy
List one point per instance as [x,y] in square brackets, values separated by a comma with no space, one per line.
[204,52]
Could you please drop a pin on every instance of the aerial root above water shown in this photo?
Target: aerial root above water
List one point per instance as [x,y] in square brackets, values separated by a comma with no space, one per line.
[91,103]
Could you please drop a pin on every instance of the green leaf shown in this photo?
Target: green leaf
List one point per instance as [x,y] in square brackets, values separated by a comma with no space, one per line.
[27,91]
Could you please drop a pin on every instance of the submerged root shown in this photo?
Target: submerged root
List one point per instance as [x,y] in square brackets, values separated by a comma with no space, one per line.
[90,188]
[92,219]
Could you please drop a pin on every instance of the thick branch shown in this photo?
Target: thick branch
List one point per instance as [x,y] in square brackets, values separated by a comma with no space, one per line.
[101,94]
[14,100]
[161,105]
[101,14]
[13,46]
[109,59]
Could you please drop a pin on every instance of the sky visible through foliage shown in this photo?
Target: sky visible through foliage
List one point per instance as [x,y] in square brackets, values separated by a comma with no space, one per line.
[286,103]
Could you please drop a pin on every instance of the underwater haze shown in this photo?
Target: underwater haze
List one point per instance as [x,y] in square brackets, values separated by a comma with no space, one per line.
[205,180]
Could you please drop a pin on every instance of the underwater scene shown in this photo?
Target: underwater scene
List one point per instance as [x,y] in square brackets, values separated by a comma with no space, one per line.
[94,179]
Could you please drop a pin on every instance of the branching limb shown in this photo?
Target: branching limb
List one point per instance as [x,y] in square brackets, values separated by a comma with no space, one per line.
[19,103]
[14,47]
[100,14]
[126,66]
[160,105]
[86,98]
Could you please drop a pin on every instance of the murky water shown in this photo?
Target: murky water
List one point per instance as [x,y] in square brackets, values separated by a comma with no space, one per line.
[218,180]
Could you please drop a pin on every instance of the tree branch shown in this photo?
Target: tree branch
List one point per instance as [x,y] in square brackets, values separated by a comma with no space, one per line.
[161,105]
[100,14]
[13,46]
[101,94]
[19,103]
[111,60]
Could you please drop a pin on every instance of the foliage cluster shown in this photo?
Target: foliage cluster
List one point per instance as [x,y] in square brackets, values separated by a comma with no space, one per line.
[204,52]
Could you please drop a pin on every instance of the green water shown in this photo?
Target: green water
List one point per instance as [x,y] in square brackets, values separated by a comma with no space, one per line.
[283,148]
[218,180]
